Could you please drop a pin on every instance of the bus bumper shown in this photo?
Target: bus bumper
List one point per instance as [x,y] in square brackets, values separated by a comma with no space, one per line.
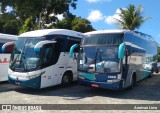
[104,85]
[30,83]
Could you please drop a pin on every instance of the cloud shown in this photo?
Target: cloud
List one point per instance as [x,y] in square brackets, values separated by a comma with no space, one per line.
[112,18]
[9,9]
[95,1]
[95,15]
[59,16]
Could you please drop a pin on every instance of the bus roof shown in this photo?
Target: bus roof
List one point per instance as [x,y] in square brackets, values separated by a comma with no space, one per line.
[39,33]
[106,31]
[139,34]
[8,37]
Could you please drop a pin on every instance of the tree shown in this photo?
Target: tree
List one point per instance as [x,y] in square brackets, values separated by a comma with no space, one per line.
[75,23]
[9,24]
[27,26]
[38,10]
[131,17]
[81,25]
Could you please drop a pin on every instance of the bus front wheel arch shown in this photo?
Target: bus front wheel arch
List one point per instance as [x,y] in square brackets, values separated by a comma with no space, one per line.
[67,78]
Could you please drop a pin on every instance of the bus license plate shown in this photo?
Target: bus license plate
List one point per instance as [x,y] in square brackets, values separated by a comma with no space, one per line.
[94,85]
[17,83]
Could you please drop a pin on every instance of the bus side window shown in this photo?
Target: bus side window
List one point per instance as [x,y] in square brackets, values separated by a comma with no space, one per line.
[71,43]
[9,48]
[51,54]
[47,56]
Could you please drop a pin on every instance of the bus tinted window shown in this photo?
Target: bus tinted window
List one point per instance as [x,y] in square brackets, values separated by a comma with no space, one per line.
[99,39]
[71,42]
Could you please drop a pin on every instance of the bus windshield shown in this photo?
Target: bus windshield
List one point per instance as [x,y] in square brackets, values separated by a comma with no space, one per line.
[99,59]
[99,53]
[23,57]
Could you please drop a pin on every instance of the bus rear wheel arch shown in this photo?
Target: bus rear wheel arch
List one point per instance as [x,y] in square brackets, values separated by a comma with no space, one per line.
[133,81]
[67,78]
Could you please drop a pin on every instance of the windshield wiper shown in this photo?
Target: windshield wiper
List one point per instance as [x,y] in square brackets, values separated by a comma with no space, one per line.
[96,57]
[15,60]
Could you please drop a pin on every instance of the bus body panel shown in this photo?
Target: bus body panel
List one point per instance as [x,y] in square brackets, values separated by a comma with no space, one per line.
[140,51]
[24,79]
[53,74]
[5,57]
[112,86]
[4,65]
[46,67]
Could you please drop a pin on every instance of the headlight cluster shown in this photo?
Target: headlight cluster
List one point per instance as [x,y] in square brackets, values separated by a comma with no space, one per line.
[81,77]
[35,75]
[111,81]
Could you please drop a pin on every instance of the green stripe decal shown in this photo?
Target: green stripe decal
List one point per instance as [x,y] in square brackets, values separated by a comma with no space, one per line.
[87,75]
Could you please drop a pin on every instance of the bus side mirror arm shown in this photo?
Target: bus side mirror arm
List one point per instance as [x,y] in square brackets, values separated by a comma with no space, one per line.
[6,45]
[41,43]
[121,51]
[72,49]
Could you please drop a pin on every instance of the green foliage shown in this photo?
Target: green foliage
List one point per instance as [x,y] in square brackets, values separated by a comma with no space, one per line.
[39,10]
[74,23]
[26,26]
[81,25]
[9,24]
[11,27]
[35,14]
[131,17]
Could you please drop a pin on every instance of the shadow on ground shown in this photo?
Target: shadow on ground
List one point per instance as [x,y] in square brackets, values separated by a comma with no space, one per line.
[147,89]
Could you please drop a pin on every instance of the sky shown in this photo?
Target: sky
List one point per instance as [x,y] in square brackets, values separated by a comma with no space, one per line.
[101,13]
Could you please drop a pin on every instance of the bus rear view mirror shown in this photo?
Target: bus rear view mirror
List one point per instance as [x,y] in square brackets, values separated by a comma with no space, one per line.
[121,51]
[40,44]
[72,49]
[8,47]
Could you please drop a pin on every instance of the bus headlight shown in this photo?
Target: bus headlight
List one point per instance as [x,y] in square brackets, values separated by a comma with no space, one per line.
[111,81]
[81,77]
[35,75]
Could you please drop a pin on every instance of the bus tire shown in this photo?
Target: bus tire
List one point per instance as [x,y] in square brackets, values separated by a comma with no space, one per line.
[133,81]
[67,79]
[151,75]
[157,71]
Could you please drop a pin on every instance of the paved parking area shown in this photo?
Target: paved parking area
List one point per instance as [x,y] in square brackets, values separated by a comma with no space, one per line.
[147,91]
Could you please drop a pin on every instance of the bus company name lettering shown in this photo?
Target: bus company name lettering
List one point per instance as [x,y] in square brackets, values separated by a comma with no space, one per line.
[4,60]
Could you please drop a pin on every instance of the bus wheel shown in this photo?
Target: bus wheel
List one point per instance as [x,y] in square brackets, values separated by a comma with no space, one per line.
[133,82]
[157,71]
[66,79]
[151,75]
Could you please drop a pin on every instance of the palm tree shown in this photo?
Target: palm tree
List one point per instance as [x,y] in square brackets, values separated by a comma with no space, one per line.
[131,18]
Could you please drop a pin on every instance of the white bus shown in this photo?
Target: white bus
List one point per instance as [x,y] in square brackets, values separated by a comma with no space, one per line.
[41,58]
[5,57]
